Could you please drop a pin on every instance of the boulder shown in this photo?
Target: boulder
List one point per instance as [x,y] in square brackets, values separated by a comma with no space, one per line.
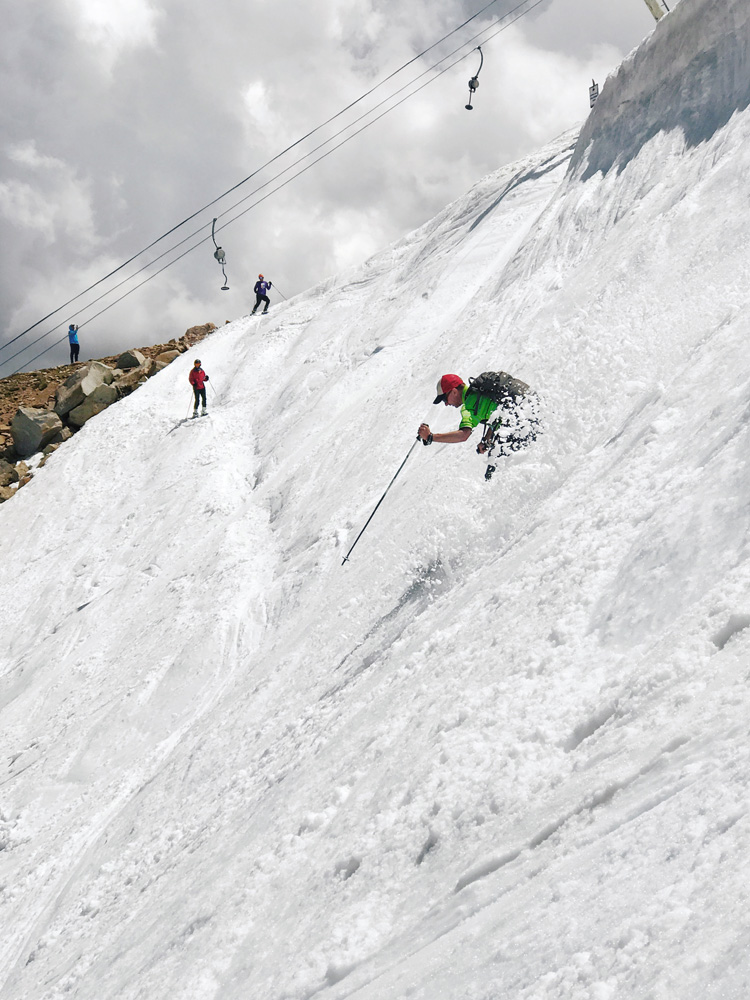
[130,359]
[81,384]
[129,381]
[6,493]
[107,374]
[196,333]
[32,429]
[65,434]
[69,392]
[166,356]
[8,473]
[99,399]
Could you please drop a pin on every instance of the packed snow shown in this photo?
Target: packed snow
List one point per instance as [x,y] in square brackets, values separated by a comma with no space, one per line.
[503,751]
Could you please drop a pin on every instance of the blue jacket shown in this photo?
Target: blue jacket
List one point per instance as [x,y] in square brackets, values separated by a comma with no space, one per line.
[72,335]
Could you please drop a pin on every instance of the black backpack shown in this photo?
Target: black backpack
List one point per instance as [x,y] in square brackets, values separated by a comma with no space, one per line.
[500,387]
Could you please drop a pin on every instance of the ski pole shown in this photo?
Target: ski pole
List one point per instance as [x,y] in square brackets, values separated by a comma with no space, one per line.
[346,557]
[189,405]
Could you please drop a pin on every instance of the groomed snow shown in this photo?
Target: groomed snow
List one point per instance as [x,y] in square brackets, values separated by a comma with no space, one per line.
[501,754]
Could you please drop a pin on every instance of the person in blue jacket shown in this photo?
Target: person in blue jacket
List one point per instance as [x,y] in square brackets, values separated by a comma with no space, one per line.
[261,290]
[73,341]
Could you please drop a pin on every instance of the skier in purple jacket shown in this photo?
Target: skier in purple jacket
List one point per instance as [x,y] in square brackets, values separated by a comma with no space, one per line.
[261,289]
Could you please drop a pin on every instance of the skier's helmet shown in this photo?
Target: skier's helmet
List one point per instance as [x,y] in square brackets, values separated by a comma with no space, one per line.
[260,275]
[197,361]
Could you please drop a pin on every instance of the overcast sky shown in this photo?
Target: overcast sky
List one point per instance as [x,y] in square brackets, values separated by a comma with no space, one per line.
[121,119]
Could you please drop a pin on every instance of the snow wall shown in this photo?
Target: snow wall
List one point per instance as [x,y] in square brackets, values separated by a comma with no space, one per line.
[503,752]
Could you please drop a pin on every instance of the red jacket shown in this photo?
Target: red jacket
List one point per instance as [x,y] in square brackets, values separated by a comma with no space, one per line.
[197,378]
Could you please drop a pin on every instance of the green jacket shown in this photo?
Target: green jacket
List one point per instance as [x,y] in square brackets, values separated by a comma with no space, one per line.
[476,409]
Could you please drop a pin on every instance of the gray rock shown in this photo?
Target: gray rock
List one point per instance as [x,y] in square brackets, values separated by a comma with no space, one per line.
[81,384]
[32,429]
[65,434]
[167,356]
[99,368]
[130,380]
[69,392]
[97,400]
[130,359]
[8,473]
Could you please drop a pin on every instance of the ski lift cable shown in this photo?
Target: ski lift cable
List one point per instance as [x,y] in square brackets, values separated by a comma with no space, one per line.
[265,197]
[268,163]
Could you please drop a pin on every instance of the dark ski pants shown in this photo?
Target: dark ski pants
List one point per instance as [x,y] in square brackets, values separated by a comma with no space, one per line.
[200,395]
[74,349]
[259,299]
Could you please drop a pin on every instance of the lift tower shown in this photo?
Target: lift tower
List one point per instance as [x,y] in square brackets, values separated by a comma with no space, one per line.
[657,8]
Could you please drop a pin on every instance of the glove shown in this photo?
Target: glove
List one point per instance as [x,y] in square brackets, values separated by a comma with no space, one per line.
[427,440]
[207,378]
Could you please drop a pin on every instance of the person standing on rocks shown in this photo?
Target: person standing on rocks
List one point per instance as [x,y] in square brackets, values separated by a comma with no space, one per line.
[73,341]
[198,379]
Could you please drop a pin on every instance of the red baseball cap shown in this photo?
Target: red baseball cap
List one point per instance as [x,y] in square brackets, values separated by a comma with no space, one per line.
[444,386]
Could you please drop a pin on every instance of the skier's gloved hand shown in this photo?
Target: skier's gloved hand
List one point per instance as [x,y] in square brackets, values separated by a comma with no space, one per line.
[207,379]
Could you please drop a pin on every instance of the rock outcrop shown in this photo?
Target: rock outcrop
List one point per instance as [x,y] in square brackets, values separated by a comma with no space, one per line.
[98,399]
[130,359]
[75,390]
[33,429]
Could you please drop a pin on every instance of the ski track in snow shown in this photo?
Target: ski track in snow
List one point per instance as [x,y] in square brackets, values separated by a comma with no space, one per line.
[502,752]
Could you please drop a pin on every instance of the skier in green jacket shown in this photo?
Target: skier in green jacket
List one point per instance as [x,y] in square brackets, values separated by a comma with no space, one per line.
[475,409]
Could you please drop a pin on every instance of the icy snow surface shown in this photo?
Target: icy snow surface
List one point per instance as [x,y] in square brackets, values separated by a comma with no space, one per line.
[503,752]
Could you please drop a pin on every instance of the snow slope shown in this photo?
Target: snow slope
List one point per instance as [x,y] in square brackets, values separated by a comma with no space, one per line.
[502,753]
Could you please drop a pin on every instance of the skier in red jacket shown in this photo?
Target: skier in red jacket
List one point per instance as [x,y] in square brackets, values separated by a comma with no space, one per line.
[198,379]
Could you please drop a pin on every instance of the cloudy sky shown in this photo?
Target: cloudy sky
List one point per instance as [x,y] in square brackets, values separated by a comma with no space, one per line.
[121,120]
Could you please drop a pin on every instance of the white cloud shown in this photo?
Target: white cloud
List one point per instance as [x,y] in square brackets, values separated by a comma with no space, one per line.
[54,203]
[112,25]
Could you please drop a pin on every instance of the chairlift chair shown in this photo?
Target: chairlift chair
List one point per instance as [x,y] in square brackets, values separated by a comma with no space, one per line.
[474,81]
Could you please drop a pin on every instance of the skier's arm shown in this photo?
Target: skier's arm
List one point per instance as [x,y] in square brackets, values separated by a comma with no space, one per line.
[451,437]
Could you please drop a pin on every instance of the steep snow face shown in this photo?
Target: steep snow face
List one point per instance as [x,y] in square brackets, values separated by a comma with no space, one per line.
[705,81]
[503,751]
